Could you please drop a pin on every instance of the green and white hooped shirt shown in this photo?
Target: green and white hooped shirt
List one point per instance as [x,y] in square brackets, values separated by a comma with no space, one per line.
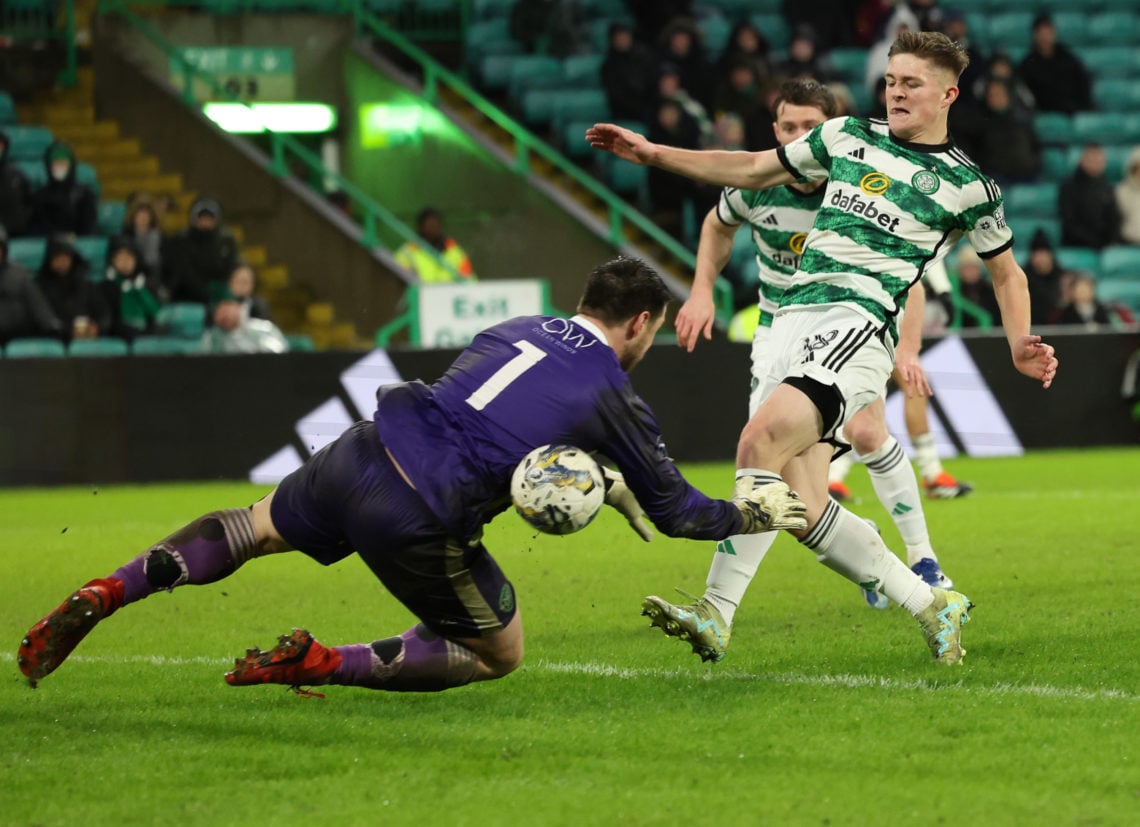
[890,209]
[780,219]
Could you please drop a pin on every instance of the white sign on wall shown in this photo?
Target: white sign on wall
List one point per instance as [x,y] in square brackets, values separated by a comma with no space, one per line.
[450,314]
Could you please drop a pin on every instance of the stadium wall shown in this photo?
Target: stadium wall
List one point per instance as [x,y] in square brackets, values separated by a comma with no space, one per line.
[143,419]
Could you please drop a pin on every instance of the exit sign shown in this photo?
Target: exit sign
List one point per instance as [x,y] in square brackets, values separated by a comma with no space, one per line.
[249,72]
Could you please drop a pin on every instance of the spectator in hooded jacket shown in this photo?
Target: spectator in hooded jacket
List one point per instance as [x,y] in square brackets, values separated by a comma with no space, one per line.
[1128,199]
[15,193]
[129,291]
[1007,146]
[23,309]
[197,262]
[628,74]
[78,303]
[1089,215]
[62,204]
[1054,74]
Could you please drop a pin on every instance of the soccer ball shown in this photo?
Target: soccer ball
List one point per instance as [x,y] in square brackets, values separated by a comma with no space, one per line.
[558,489]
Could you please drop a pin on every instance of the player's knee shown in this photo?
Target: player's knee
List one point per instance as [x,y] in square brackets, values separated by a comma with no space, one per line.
[865,436]
[502,660]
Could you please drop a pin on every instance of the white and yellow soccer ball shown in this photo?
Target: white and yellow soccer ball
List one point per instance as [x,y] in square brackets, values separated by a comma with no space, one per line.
[558,489]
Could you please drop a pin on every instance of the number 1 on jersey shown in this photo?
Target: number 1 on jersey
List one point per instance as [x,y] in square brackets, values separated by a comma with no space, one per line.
[528,357]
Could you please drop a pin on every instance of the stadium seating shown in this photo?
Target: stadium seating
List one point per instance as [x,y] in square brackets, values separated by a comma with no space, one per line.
[774,29]
[1114,28]
[1079,258]
[1125,291]
[300,343]
[98,347]
[184,319]
[111,215]
[27,251]
[163,346]
[1039,200]
[28,143]
[34,348]
[582,71]
[7,110]
[1120,262]
[1053,128]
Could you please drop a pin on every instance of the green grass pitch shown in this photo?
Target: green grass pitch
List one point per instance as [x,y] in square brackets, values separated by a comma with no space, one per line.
[824,712]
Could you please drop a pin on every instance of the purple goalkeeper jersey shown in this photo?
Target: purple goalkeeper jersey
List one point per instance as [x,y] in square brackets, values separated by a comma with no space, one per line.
[520,384]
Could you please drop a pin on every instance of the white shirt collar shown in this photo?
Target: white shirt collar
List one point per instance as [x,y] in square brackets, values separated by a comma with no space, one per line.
[582,321]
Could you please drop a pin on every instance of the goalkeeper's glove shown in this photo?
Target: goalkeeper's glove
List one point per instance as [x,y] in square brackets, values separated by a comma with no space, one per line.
[768,507]
[620,497]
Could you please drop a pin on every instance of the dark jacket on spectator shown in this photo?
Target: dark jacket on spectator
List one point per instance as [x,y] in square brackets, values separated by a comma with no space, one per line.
[629,78]
[72,295]
[63,206]
[15,193]
[1090,216]
[23,309]
[197,263]
[1059,83]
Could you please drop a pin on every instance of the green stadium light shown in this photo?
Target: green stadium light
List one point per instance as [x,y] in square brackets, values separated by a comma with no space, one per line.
[290,117]
[394,124]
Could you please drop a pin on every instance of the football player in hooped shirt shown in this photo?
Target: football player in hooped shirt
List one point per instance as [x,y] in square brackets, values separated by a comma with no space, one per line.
[411,490]
[899,194]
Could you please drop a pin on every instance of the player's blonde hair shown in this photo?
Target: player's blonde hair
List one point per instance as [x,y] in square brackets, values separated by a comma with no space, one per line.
[933,47]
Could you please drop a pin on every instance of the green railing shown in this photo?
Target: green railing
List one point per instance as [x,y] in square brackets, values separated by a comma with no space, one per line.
[37,20]
[282,147]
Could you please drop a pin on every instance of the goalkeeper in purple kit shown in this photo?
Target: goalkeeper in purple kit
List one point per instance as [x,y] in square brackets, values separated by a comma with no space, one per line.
[411,491]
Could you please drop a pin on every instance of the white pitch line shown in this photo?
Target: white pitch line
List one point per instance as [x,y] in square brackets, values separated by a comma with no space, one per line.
[605,670]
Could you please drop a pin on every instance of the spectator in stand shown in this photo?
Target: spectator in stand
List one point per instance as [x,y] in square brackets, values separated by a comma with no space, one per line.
[63,205]
[197,262]
[805,61]
[1045,277]
[901,20]
[78,304]
[628,74]
[1057,78]
[974,285]
[549,27]
[449,262]
[243,290]
[956,27]
[1087,204]
[1084,308]
[23,309]
[870,19]
[15,193]
[1001,68]
[1007,146]
[681,46]
[669,88]
[233,331]
[1128,199]
[143,226]
[128,291]
[833,21]
[653,16]
[930,16]
[740,95]
[747,45]
[669,193]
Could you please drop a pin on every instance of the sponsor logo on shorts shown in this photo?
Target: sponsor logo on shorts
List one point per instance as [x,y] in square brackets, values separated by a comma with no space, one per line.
[926,182]
[817,342]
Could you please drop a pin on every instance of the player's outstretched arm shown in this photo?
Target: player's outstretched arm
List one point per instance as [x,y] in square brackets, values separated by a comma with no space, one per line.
[1031,356]
[746,170]
[907,364]
[697,314]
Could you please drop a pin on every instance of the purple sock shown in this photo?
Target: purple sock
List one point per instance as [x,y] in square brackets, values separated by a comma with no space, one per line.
[416,661]
[208,549]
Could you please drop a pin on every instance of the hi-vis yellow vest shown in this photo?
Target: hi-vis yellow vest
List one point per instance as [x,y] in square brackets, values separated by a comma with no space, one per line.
[423,264]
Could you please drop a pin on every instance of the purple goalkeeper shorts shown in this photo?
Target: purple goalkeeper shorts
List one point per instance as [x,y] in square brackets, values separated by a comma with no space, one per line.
[350,497]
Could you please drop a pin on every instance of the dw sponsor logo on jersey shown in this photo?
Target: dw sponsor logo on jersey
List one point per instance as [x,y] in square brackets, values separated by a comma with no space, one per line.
[564,332]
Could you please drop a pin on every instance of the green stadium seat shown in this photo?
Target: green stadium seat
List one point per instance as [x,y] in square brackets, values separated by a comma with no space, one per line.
[98,347]
[1053,128]
[34,348]
[1114,28]
[28,143]
[774,28]
[538,106]
[626,179]
[1031,200]
[714,34]
[94,249]
[28,251]
[494,71]
[1072,27]
[163,346]
[7,110]
[1120,261]
[533,71]
[489,37]
[580,105]
[1079,258]
[34,171]
[1025,229]
[850,64]
[184,319]
[1096,127]
[111,215]
[85,174]
[1125,291]
[1109,61]
[573,144]
[492,9]
[300,343]
[1009,27]
[582,71]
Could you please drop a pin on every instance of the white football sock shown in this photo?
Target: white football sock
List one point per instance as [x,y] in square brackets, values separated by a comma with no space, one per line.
[897,489]
[846,544]
[926,456]
[837,471]
[733,567]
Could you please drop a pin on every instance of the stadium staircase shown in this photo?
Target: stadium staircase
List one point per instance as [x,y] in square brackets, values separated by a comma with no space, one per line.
[122,168]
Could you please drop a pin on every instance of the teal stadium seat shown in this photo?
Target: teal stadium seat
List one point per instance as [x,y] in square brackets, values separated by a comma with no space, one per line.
[34,171]
[1053,128]
[494,71]
[163,346]
[533,71]
[1120,262]
[7,110]
[34,348]
[1079,258]
[1125,291]
[100,347]
[184,319]
[1110,61]
[28,251]
[850,64]
[1031,200]
[538,106]
[489,37]
[774,28]
[28,143]
[1072,28]
[714,34]
[1096,127]
[580,105]
[94,249]
[1010,27]
[583,71]
[111,216]
[573,144]
[630,180]
[492,9]
[300,343]
[1025,228]
[85,174]
[1114,28]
